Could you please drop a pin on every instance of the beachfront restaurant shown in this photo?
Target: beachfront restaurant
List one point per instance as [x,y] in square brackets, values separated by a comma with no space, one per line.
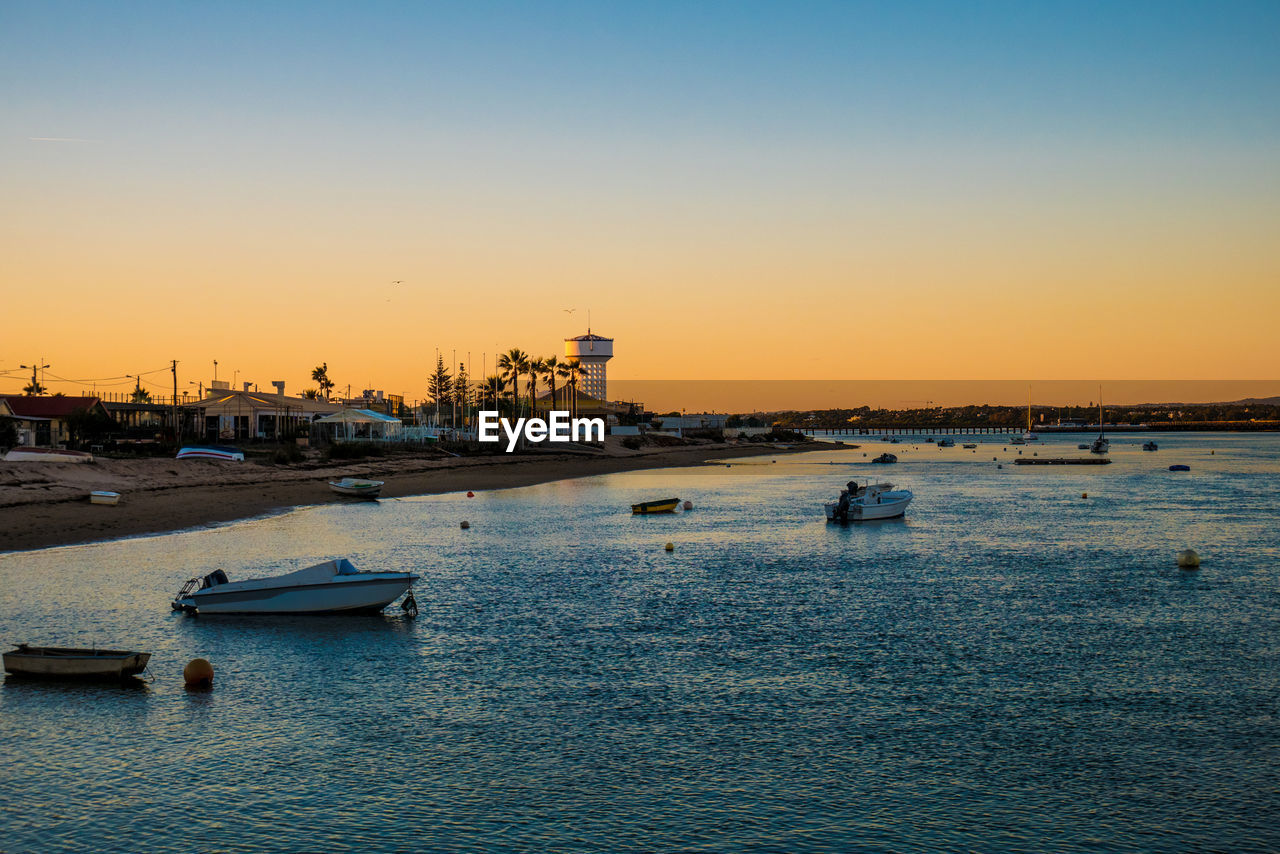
[361,425]
[233,416]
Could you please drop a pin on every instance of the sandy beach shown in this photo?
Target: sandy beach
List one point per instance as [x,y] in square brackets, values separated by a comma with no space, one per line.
[46,504]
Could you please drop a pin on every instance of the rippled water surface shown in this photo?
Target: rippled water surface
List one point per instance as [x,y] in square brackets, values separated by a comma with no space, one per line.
[1010,668]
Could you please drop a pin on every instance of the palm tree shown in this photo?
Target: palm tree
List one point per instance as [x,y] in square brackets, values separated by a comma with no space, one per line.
[140,394]
[514,362]
[571,369]
[490,389]
[321,376]
[549,366]
[536,367]
[33,388]
[310,394]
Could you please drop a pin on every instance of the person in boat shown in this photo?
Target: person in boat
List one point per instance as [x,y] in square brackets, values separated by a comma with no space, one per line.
[842,508]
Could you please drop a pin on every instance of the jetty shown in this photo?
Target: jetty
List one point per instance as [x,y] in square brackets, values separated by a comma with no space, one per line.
[1062,461]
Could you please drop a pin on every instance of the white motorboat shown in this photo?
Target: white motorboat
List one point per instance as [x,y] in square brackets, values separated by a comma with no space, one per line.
[946,443]
[1017,440]
[332,587]
[868,502]
[46,455]
[111,499]
[355,487]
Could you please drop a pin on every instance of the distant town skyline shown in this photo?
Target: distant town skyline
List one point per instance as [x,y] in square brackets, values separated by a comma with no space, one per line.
[813,191]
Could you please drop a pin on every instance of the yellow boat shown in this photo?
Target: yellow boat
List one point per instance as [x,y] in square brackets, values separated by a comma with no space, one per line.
[666,505]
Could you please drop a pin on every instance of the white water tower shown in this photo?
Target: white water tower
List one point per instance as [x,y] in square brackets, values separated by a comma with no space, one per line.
[593,351]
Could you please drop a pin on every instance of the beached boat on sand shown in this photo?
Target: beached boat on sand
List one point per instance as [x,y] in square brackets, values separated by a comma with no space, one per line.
[647,508]
[211,452]
[354,487]
[332,587]
[46,455]
[55,662]
[111,499]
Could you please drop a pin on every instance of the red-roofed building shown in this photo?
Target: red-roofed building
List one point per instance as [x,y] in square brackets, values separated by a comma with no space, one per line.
[42,421]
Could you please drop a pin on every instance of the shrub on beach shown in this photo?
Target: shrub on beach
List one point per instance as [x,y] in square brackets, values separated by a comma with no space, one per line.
[355,450]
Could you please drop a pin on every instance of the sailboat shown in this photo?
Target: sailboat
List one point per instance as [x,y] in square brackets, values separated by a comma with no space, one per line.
[1029,436]
[1100,445]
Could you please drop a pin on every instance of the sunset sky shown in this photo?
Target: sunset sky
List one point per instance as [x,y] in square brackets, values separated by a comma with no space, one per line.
[733,190]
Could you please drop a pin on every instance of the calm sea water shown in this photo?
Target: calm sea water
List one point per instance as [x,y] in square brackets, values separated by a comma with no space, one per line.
[1011,668]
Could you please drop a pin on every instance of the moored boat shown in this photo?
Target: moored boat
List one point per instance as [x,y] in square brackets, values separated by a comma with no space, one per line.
[946,443]
[102,496]
[969,445]
[55,662]
[332,587]
[648,508]
[1179,467]
[356,488]
[46,455]
[868,502]
[886,458]
[1150,446]
[211,452]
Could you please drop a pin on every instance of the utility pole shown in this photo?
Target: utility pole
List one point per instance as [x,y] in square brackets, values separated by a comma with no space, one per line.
[174,368]
[35,366]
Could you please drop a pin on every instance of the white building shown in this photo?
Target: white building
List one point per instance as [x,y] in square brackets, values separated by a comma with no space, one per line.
[593,351]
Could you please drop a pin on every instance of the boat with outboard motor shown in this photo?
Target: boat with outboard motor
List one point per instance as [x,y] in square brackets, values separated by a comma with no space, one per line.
[886,458]
[332,587]
[867,502]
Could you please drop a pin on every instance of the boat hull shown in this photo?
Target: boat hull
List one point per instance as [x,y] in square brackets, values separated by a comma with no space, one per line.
[46,455]
[62,663]
[211,453]
[891,507]
[649,508]
[358,596]
[110,499]
[357,488]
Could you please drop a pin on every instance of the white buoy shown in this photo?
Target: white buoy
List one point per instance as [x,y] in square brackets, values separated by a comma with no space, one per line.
[1188,559]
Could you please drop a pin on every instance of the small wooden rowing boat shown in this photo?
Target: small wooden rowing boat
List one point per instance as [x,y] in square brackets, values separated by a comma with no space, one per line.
[110,499]
[356,488]
[55,662]
[645,508]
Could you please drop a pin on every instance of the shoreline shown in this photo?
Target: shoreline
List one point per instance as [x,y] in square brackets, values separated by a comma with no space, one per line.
[49,507]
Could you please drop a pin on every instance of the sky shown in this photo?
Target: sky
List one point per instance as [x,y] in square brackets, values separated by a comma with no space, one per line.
[734,191]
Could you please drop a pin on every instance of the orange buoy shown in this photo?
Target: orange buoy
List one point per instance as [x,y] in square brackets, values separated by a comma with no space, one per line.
[670,547]
[198,673]
[470,494]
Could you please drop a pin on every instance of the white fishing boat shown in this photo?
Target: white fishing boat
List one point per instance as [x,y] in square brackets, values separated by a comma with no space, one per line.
[355,487]
[102,496]
[867,502]
[946,443]
[58,662]
[211,452]
[46,455]
[332,587]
